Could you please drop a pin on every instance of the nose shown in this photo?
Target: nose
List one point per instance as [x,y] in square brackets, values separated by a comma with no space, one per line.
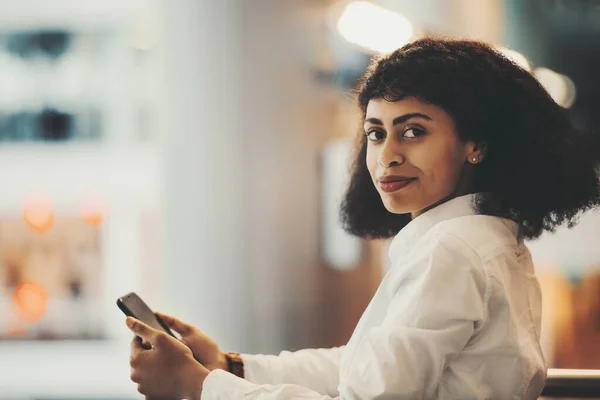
[390,156]
[385,165]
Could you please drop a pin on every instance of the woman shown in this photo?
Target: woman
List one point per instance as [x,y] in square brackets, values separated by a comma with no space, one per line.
[462,157]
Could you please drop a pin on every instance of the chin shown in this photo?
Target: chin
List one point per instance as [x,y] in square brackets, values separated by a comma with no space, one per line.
[399,205]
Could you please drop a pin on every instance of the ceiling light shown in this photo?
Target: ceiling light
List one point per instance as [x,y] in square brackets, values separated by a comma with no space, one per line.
[560,87]
[374,27]
[515,57]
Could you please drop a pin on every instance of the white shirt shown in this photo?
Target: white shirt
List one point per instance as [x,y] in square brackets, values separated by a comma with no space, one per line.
[456,317]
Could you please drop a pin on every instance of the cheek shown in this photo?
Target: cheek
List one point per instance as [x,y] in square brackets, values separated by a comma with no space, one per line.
[442,168]
[371,161]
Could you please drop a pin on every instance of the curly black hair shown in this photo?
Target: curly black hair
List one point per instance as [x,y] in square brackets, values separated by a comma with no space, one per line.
[539,170]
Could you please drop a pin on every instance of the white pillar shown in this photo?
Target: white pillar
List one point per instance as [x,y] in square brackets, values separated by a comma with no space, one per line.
[204,274]
[245,126]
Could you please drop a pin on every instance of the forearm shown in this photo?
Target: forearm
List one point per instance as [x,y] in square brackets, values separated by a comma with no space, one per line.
[317,369]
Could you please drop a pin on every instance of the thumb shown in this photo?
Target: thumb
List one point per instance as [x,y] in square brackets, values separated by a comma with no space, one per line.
[139,328]
[178,326]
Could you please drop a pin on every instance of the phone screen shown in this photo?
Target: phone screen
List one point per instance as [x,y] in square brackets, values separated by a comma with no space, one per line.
[132,305]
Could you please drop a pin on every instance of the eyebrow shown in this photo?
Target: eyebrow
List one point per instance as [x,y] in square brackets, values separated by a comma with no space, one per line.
[400,119]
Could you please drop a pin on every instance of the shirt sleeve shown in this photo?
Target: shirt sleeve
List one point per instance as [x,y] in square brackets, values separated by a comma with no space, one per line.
[437,301]
[317,369]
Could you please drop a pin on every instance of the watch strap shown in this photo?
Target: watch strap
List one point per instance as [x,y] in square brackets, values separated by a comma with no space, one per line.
[235,364]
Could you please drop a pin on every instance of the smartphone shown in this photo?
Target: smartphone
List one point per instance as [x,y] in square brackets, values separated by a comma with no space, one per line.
[133,306]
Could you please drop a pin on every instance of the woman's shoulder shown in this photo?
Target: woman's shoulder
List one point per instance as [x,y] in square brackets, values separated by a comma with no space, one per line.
[483,234]
[444,253]
[457,247]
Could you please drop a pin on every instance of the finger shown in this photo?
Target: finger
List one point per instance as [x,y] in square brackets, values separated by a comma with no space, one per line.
[141,329]
[135,376]
[141,389]
[138,353]
[177,325]
[136,344]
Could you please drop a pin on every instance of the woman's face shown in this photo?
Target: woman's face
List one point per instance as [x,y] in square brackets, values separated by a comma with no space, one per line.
[414,155]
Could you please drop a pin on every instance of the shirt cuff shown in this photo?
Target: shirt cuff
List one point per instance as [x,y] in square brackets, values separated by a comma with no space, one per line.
[258,368]
[222,385]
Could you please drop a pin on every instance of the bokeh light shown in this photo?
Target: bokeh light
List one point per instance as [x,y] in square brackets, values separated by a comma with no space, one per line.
[374,27]
[560,87]
[30,299]
[93,209]
[515,57]
[16,332]
[38,213]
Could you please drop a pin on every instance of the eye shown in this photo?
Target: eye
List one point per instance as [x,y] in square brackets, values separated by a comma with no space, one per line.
[375,135]
[413,133]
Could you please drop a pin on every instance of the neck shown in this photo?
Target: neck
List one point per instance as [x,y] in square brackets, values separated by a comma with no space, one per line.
[465,186]
[443,200]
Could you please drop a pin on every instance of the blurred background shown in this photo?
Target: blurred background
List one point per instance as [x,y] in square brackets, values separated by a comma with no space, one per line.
[195,151]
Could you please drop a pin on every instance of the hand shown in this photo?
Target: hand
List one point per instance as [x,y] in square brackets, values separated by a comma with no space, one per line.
[204,348]
[168,369]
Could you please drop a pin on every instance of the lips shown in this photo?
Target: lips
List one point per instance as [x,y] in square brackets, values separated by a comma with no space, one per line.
[391,184]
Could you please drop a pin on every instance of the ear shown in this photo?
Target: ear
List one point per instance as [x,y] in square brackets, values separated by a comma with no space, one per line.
[476,152]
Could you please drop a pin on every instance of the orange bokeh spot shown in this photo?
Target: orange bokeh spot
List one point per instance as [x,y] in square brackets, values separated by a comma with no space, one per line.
[92,217]
[38,214]
[31,300]
[16,332]
[93,210]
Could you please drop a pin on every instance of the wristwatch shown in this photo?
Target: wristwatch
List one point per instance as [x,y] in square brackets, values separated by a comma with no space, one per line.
[235,364]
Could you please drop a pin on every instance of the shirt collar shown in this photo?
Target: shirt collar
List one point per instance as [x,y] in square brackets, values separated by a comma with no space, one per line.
[409,235]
